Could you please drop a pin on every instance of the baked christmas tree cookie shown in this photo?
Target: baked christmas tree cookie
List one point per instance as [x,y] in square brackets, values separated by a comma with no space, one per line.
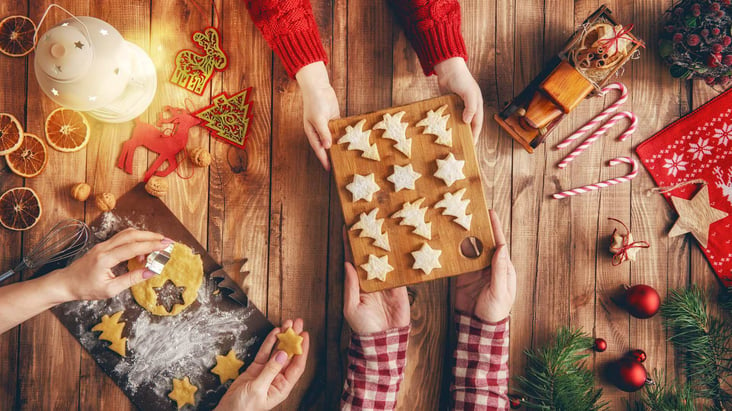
[455,206]
[436,123]
[403,177]
[370,227]
[395,130]
[450,169]
[377,267]
[363,187]
[414,216]
[426,259]
[358,139]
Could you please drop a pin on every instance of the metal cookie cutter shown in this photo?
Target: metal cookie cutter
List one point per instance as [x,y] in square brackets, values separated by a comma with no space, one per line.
[157,259]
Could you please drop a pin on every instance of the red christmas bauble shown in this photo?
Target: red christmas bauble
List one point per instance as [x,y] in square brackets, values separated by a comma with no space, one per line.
[642,301]
[630,375]
[515,402]
[638,355]
[600,345]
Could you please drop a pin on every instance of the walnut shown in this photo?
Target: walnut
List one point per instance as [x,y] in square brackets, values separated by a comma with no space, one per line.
[157,186]
[81,191]
[200,157]
[106,201]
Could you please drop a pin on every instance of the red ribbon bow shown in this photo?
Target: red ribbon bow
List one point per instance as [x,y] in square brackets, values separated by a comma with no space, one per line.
[623,34]
[622,254]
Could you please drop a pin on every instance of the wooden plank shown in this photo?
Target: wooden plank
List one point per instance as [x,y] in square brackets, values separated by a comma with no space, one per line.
[445,234]
[49,355]
[13,72]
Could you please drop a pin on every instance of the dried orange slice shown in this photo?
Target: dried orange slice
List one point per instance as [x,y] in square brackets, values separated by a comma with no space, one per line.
[11,133]
[20,208]
[30,158]
[16,35]
[67,130]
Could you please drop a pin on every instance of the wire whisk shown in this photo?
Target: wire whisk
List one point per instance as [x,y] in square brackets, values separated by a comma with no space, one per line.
[65,241]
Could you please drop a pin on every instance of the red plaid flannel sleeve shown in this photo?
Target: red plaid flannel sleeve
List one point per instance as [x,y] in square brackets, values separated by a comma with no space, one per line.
[481,364]
[375,370]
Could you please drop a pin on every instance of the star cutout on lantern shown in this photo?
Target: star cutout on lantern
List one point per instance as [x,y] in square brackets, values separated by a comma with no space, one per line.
[363,187]
[426,259]
[103,32]
[79,45]
[455,206]
[370,227]
[435,123]
[169,295]
[227,366]
[358,139]
[92,98]
[395,130]
[403,178]
[290,343]
[183,392]
[377,267]
[450,170]
[695,216]
[54,92]
[412,215]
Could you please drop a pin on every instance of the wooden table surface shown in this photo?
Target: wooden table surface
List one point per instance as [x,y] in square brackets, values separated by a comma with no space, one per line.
[273,204]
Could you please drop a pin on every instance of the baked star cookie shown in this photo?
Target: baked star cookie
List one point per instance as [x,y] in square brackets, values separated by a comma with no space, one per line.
[414,216]
[363,187]
[450,169]
[377,267]
[436,123]
[455,206]
[370,227]
[395,130]
[358,139]
[183,392]
[111,329]
[426,259]
[227,366]
[403,177]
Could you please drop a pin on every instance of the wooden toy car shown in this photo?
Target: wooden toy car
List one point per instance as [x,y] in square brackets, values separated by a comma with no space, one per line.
[587,62]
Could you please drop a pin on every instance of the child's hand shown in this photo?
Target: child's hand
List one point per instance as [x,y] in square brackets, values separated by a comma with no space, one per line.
[320,105]
[490,293]
[270,378]
[453,75]
[91,278]
[369,313]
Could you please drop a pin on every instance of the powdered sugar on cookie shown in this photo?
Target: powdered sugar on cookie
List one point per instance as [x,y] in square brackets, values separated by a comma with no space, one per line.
[395,129]
[363,187]
[403,177]
[436,123]
[455,206]
[450,169]
[426,259]
[414,216]
[358,139]
[370,227]
[377,267]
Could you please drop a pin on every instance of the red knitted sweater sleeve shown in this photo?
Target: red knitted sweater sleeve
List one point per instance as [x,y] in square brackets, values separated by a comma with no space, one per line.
[433,28]
[290,29]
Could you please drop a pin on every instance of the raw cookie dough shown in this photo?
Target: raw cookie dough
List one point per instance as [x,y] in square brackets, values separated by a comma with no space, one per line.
[183,392]
[111,328]
[290,343]
[227,366]
[184,269]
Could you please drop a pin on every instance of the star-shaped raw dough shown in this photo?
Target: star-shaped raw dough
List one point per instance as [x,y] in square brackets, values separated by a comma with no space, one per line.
[426,259]
[358,139]
[414,216]
[435,123]
[450,170]
[695,216]
[397,131]
[290,343]
[183,392]
[227,366]
[404,177]
[455,206]
[363,187]
[377,267]
[370,227]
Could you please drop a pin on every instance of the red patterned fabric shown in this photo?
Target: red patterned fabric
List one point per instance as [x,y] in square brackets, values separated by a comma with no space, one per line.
[699,146]
[481,365]
[432,26]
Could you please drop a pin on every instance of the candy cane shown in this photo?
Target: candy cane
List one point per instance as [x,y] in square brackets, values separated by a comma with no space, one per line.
[602,116]
[606,183]
[599,132]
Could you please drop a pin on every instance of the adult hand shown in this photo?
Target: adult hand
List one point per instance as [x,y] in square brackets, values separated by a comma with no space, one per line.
[91,278]
[453,75]
[489,293]
[320,105]
[270,378]
[369,313]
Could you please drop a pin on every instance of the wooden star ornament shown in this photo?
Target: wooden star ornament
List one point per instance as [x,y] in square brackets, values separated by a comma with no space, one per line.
[695,216]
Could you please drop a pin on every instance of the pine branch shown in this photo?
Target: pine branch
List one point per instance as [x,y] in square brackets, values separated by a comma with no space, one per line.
[667,396]
[557,377]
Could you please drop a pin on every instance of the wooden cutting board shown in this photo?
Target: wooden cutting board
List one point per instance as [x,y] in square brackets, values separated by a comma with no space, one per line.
[447,236]
[162,348]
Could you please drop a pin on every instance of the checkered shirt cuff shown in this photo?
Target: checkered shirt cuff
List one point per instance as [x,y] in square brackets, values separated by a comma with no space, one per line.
[481,364]
[375,369]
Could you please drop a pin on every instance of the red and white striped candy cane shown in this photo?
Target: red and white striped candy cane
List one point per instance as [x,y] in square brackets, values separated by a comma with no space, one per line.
[599,132]
[602,116]
[606,183]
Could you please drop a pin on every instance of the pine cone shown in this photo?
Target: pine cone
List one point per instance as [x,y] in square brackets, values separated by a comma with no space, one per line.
[200,157]
[106,201]
[157,186]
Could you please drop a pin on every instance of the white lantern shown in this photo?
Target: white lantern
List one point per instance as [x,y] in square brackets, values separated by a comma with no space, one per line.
[85,64]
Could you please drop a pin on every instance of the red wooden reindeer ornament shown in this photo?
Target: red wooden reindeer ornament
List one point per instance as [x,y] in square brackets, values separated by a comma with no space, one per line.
[167,145]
